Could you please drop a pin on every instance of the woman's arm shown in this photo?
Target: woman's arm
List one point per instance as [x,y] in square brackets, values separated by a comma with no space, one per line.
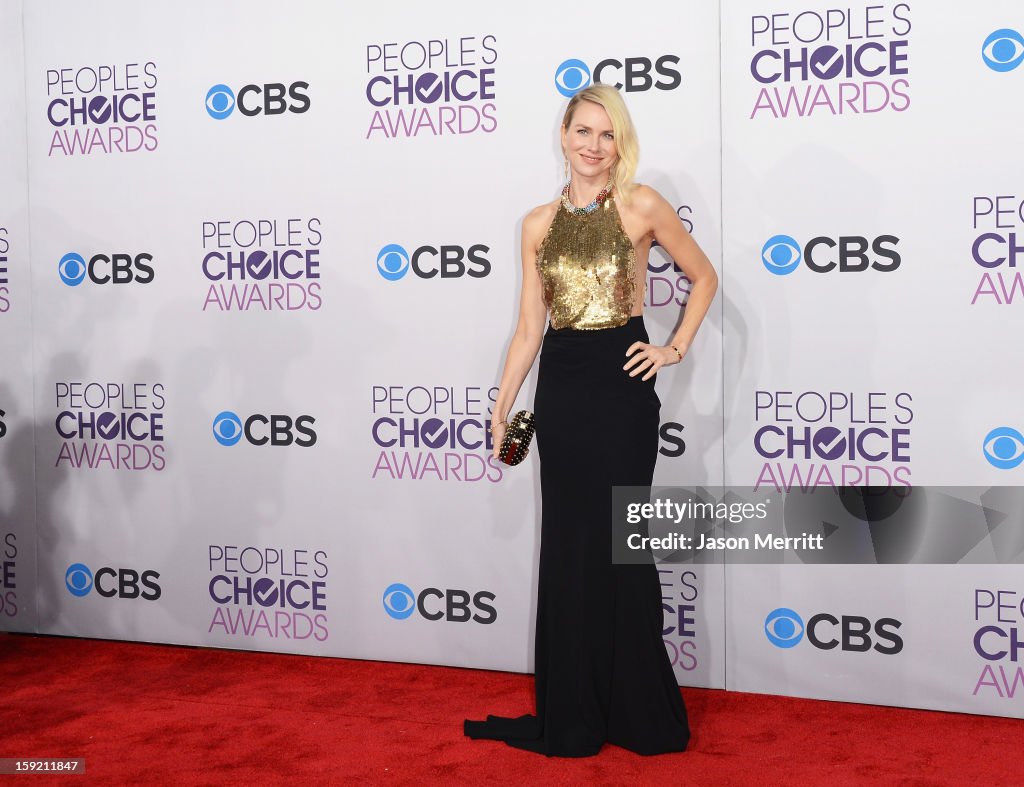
[522,350]
[669,231]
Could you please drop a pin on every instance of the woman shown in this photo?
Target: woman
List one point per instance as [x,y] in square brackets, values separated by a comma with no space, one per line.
[602,673]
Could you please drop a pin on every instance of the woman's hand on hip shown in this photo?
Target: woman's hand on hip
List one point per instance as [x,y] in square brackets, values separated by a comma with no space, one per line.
[648,358]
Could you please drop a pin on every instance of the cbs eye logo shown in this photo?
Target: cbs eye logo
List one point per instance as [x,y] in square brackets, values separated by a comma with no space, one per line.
[259,430]
[571,77]
[399,601]
[392,262]
[452,262]
[632,74]
[71,269]
[123,269]
[125,583]
[1003,50]
[1004,448]
[782,254]
[227,428]
[268,99]
[78,579]
[220,101]
[784,628]
[452,604]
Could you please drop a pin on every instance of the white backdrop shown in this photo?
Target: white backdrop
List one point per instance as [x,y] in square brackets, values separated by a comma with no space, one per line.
[902,352]
[295,295]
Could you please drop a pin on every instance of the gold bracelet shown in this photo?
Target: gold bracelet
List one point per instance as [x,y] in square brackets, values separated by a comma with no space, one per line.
[491,427]
[677,353]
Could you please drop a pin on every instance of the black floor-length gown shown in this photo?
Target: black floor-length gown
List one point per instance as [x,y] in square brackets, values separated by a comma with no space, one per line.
[602,671]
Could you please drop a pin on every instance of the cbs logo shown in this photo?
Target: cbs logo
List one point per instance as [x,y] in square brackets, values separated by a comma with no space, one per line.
[455,606]
[782,254]
[784,628]
[447,262]
[1003,447]
[273,98]
[123,582]
[632,74]
[258,429]
[672,444]
[1003,50]
[105,269]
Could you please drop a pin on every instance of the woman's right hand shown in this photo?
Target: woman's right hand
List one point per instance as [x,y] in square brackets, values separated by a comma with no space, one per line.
[497,435]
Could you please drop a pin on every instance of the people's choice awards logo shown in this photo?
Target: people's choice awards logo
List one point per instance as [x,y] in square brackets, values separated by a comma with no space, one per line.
[999,642]
[433,432]
[832,438]
[1003,50]
[5,291]
[680,599]
[102,109]
[8,572]
[1004,448]
[839,61]
[268,592]
[262,264]
[998,226]
[435,87]
[112,425]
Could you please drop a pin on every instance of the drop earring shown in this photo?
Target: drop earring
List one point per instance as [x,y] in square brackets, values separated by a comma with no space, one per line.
[566,177]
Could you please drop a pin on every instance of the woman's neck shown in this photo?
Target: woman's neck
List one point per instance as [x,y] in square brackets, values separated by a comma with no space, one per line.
[584,190]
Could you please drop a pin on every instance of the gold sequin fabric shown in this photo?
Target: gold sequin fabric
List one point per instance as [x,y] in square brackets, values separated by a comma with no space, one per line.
[587,269]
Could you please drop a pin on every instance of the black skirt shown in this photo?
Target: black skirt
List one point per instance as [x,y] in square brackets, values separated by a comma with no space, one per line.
[602,672]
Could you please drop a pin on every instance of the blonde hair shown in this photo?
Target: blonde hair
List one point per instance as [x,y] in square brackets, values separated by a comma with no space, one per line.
[627,145]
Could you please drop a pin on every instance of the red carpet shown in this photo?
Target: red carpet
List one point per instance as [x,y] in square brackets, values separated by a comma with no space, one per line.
[163,714]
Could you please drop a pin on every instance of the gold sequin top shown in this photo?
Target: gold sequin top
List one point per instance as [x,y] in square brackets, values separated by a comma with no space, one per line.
[587,269]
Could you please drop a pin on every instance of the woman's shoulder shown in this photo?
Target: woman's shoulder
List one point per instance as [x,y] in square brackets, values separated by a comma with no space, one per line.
[644,199]
[539,219]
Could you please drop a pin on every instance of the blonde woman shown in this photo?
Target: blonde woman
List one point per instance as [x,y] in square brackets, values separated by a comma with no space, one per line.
[602,672]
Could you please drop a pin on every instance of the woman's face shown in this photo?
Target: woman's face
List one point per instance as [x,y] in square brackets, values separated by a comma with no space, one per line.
[588,142]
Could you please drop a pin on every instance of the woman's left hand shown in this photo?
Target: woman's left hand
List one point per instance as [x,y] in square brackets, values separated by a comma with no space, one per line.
[650,357]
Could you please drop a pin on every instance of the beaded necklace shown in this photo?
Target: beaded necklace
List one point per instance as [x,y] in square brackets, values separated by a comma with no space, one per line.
[602,195]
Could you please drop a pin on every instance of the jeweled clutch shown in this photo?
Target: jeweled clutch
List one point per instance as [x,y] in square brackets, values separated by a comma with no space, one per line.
[515,445]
